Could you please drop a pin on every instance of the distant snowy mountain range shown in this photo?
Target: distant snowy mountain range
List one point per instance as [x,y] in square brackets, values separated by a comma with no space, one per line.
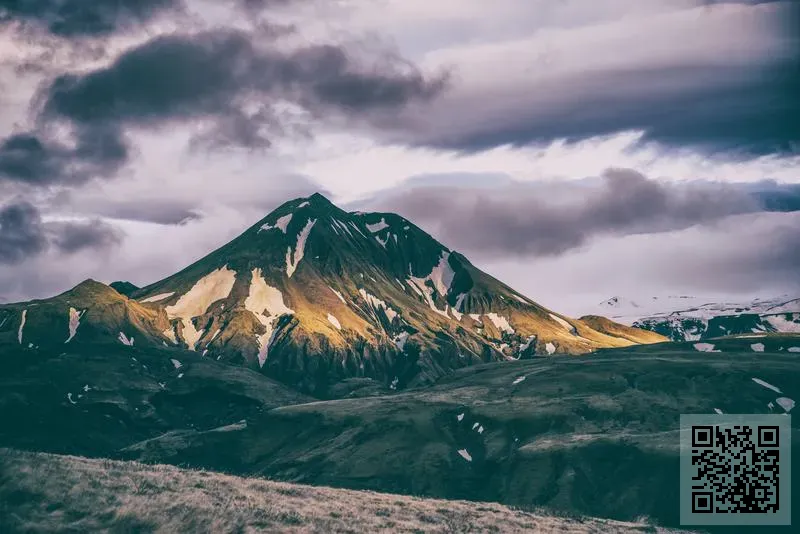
[690,318]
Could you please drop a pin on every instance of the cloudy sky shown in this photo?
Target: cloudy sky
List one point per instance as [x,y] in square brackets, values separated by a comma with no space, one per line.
[576,149]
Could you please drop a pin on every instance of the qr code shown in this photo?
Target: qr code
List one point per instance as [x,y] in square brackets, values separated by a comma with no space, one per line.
[734,467]
[737,469]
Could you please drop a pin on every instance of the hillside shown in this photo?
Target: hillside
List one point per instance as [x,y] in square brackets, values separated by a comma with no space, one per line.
[596,435]
[47,493]
[314,296]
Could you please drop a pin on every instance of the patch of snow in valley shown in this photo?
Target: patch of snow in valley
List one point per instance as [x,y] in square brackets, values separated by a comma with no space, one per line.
[704,347]
[159,297]
[22,326]
[74,323]
[125,340]
[176,363]
[69,398]
[464,454]
[793,349]
[266,304]
[86,388]
[500,322]
[282,223]
[474,426]
[550,348]
[766,385]
[382,243]
[377,227]
[292,261]
[757,347]
[460,417]
[717,410]
[180,375]
[518,380]
[459,301]
[394,383]
[456,314]
[334,321]
[786,403]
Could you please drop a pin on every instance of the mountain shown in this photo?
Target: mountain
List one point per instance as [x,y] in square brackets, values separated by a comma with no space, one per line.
[314,296]
[691,318]
[123,287]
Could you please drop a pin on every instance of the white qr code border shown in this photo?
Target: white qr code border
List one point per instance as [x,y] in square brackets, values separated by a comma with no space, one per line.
[701,473]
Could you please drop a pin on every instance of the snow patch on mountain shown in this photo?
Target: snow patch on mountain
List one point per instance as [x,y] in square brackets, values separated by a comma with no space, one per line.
[377,304]
[377,227]
[500,322]
[442,275]
[74,323]
[282,223]
[757,347]
[568,327]
[334,321]
[459,301]
[176,363]
[266,304]
[157,298]
[400,340]
[125,340]
[550,348]
[216,285]
[338,295]
[303,204]
[382,243]
[22,326]
[464,454]
[299,250]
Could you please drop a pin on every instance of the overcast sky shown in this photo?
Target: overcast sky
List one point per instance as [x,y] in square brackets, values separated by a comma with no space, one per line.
[576,149]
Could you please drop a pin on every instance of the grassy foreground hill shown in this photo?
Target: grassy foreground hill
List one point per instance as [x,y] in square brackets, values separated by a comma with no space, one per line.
[49,493]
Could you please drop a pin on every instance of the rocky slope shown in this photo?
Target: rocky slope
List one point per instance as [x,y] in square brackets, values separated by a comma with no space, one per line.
[313,296]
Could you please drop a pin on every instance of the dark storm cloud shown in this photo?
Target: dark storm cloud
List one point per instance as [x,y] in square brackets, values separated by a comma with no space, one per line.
[78,18]
[35,159]
[553,218]
[71,237]
[221,80]
[23,234]
[751,110]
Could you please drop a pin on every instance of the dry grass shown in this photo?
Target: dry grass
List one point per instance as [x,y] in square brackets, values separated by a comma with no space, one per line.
[48,493]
